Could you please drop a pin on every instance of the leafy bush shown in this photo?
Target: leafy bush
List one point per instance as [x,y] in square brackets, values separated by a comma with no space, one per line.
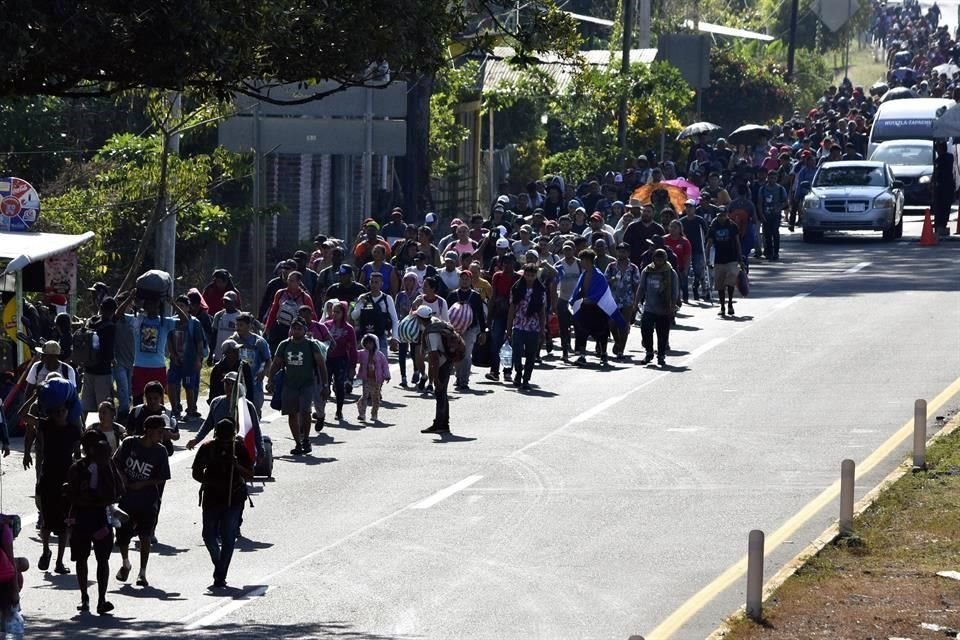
[743,90]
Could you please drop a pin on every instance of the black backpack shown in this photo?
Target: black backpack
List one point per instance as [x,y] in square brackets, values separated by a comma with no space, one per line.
[83,354]
[374,316]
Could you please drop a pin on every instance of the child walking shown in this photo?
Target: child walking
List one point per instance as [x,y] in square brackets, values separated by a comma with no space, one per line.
[374,370]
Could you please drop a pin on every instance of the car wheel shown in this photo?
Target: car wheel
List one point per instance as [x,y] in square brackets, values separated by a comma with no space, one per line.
[899,227]
[812,236]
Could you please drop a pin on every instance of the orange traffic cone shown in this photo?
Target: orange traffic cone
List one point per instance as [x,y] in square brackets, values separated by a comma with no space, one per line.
[927,237]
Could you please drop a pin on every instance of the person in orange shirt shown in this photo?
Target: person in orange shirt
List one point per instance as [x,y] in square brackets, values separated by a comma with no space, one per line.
[363,251]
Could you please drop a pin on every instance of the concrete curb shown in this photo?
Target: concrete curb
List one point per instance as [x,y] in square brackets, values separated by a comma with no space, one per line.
[832,532]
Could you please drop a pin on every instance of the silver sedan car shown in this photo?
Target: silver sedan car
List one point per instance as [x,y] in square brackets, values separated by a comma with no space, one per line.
[854,195]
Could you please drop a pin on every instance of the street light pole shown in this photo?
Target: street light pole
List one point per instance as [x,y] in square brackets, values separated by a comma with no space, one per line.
[792,47]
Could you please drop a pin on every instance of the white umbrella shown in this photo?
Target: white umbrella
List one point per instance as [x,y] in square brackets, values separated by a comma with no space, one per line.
[948,68]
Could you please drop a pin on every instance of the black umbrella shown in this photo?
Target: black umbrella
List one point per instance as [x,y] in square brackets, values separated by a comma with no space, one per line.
[697,129]
[748,134]
[898,93]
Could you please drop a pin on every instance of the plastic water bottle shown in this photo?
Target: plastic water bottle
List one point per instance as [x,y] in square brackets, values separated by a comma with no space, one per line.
[506,356]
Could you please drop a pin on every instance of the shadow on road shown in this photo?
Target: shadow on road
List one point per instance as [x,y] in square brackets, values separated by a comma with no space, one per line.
[90,627]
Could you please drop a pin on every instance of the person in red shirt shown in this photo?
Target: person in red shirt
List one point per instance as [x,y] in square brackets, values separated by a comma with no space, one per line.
[502,282]
[678,243]
[219,285]
[363,251]
[285,309]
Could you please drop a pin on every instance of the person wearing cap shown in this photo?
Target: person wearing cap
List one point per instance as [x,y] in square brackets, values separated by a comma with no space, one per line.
[220,283]
[99,291]
[421,267]
[396,229]
[98,369]
[221,406]
[450,237]
[596,229]
[370,238]
[440,367]
[640,231]
[255,353]
[466,295]
[431,221]
[378,264]
[659,297]
[303,366]
[524,244]
[499,217]
[47,362]
[223,467]
[224,324]
[185,348]
[449,275]
[654,243]
[553,204]
[501,249]
[230,362]
[376,313]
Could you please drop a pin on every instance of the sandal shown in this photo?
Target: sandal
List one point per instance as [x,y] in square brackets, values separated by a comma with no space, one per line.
[60,569]
[104,607]
[123,574]
[84,604]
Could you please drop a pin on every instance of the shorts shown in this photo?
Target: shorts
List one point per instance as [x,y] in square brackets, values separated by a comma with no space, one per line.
[141,524]
[296,400]
[96,388]
[187,377]
[725,275]
[81,542]
[53,506]
[143,375]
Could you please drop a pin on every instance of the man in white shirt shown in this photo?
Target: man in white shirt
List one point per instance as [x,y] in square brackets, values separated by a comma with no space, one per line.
[49,362]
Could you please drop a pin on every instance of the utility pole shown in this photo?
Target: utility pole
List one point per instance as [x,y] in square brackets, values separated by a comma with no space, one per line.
[257,241]
[643,33]
[792,47]
[628,23]
[167,231]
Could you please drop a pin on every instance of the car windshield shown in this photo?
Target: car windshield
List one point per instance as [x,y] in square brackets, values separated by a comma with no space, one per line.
[905,154]
[850,177]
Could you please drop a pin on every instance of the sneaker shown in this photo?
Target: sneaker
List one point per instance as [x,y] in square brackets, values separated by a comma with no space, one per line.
[348,388]
[403,382]
[435,429]
[429,388]
[422,385]
[708,299]
[729,309]
[722,311]
[517,381]
[507,376]
[648,358]
[373,416]
[416,377]
[661,362]
[525,386]
[581,360]
[306,447]
[492,376]
[318,425]
[296,451]
[361,417]
[339,415]
[696,296]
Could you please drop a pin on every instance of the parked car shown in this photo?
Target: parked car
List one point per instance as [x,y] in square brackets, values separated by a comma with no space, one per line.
[911,162]
[856,195]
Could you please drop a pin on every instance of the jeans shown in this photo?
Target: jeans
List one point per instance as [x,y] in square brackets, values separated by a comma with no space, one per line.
[684,285]
[463,369]
[337,368]
[442,419]
[406,350]
[122,377]
[256,396]
[701,280]
[526,345]
[221,525]
[620,333]
[566,323]
[771,235]
[660,323]
[498,332]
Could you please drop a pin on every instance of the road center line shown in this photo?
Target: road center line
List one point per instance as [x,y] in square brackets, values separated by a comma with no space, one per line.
[783,304]
[443,494]
[858,267]
[725,580]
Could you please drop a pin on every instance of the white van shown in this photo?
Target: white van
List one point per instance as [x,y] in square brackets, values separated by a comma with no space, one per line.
[907,119]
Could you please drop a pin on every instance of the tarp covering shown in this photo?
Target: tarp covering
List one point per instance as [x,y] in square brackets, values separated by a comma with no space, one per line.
[23,249]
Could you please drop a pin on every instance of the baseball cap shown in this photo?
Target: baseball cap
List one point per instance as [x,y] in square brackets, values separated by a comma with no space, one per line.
[319,238]
[430,218]
[503,199]
[396,213]
[596,216]
[231,295]
[450,255]
[231,376]
[373,223]
[526,228]
[691,202]
[419,255]
[344,269]
[424,311]
[503,243]
[51,348]
[288,264]
[456,222]
[98,286]
[229,345]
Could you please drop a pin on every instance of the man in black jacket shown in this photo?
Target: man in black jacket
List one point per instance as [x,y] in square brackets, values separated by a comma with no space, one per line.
[466,295]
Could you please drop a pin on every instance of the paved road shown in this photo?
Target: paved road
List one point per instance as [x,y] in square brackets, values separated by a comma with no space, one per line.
[594,507]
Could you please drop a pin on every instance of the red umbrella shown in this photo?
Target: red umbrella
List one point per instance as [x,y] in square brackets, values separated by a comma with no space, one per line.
[692,190]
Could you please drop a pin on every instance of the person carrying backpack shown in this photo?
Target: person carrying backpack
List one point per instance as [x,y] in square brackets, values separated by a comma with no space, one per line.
[222,467]
[285,308]
[376,313]
[444,349]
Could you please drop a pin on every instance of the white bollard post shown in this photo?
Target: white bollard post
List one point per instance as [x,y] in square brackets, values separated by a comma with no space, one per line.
[755,575]
[848,470]
[920,435]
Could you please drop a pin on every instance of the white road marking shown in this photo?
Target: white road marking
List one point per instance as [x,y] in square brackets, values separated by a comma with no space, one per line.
[443,494]
[244,599]
[783,304]
[684,429]
[858,267]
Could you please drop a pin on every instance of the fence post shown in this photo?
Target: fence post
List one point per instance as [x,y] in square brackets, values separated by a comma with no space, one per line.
[847,475]
[755,575]
[920,435]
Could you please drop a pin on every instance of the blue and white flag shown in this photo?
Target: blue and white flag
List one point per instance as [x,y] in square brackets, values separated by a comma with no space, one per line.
[600,294]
